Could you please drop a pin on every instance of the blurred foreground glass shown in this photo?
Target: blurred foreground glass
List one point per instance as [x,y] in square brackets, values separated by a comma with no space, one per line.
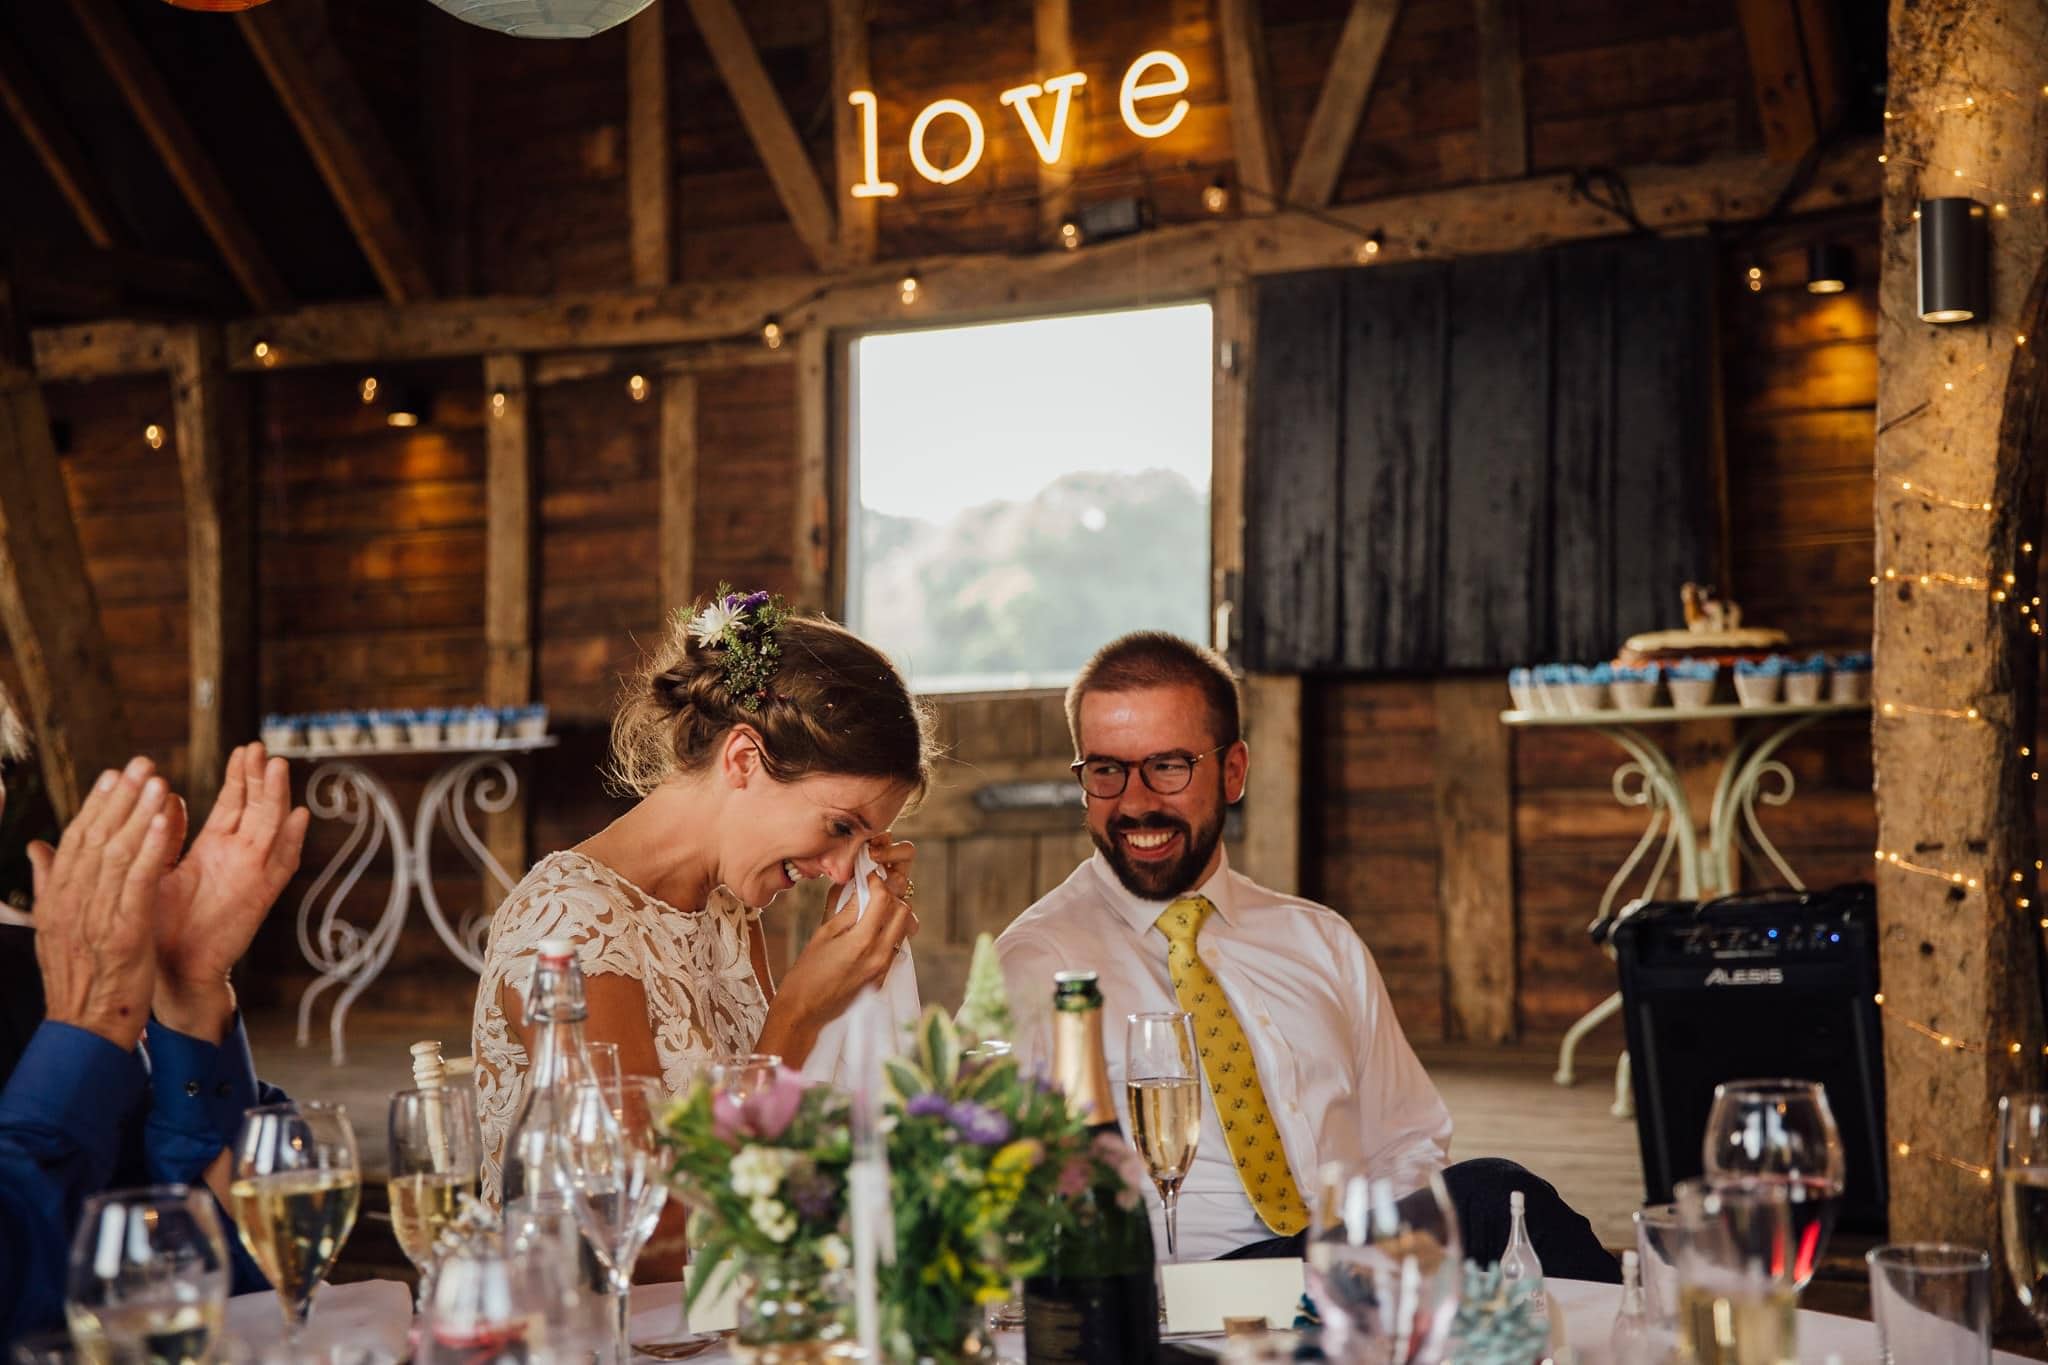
[1736,1301]
[1931,1303]
[297,1181]
[1782,1132]
[1385,1267]
[1657,1239]
[616,1170]
[741,1075]
[433,1145]
[148,1277]
[2023,1198]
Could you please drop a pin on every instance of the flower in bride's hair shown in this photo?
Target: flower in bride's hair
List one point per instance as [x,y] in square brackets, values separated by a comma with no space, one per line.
[709,625]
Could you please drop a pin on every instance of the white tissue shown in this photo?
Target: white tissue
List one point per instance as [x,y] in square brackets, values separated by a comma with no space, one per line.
[828,1059]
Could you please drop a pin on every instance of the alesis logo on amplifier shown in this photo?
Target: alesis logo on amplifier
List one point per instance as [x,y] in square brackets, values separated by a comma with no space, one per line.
[1746,976]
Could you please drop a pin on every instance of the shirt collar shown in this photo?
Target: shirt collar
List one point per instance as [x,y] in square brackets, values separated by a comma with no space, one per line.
[1142,914]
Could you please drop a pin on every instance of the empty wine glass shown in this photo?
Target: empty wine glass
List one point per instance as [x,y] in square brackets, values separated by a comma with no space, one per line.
[1782,1132]
[1385,1267]
[617,1179]
[297,1182]
[149,1276]
[434,1145]
[1163,1081]
[740,1075]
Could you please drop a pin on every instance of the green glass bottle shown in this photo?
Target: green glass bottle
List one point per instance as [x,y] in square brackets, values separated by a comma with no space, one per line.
[1097,1299]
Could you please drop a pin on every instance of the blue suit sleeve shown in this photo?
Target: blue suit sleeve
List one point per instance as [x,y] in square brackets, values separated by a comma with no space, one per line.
[60,1134]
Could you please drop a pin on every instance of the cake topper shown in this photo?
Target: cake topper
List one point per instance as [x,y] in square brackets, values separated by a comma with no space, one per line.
[1707,614]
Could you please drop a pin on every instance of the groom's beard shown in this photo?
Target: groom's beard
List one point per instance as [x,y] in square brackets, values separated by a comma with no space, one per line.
[1161,881]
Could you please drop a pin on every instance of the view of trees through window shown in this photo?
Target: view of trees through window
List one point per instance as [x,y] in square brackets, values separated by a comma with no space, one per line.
[1021,492]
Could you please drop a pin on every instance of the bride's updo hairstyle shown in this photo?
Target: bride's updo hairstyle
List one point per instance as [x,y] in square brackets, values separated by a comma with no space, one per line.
[829,703]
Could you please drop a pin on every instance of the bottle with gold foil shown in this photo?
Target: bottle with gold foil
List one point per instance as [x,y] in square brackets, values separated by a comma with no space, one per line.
[1097,1299]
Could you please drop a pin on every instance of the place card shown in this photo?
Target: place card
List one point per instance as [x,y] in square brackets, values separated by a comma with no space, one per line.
[1201,1294]
[719,1309]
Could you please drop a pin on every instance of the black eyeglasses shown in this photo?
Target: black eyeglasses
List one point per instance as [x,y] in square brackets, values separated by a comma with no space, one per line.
[1166,773]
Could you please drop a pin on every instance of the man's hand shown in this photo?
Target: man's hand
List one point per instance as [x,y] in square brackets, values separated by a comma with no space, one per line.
[95,901]
[216,896]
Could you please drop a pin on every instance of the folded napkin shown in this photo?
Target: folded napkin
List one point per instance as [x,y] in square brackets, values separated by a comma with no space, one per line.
[828,1058]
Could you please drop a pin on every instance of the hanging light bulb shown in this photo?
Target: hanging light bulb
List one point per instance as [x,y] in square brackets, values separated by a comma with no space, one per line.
[265,356]
[1070,235]
[153,436]
[637,388]
[1368,249]
[216,6]
[368,388]
[771,333]
[909,289]
[544,18]
[1216,198]
[498,403]
[1756,279]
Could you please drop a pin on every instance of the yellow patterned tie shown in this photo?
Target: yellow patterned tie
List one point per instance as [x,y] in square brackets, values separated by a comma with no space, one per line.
[1233,1075]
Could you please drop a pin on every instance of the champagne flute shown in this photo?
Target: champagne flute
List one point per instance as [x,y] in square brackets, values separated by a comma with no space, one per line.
[149,1276]
[434,1145]
[1737,1301]
[2023,1198]
[616,1179]
[297,1182]
[1163,1079]
[1783,1133]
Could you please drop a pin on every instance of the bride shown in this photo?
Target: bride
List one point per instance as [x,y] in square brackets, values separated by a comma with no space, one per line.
[766,749]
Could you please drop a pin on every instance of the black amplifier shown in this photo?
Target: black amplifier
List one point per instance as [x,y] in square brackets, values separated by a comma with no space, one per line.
[1777,983]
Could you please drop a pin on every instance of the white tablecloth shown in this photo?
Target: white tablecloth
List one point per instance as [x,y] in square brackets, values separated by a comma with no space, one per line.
[351,1321]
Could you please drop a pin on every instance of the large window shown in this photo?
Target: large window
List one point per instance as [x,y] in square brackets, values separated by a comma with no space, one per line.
[1021,492]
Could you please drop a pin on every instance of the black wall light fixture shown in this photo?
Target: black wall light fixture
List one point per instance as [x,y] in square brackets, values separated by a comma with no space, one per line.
[1830,268]
[1955,252]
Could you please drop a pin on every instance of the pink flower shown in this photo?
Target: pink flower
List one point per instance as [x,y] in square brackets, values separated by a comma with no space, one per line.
[765,1114]
[1075,1177]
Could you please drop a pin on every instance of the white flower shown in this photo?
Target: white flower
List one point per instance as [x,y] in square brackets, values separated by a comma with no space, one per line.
[710,624]
[774,1220]
[832,1253]
[757,1171]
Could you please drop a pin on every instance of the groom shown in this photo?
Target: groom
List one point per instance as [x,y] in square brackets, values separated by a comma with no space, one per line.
[1161,917]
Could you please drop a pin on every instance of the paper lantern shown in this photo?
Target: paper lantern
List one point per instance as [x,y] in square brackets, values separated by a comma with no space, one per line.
[544,18]
[217,6]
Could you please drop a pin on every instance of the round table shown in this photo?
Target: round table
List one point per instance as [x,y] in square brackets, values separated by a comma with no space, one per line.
[357,1324]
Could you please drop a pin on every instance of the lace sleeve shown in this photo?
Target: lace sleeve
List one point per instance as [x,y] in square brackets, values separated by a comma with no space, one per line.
[559,898]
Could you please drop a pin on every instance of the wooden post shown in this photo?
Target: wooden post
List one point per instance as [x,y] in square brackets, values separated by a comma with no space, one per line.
[1052,25]
[678,483]
[814,520]
[1962,411]
[508,574]
[1272,798]
[211,426]
[46,601]
[650,180]
[1475,876]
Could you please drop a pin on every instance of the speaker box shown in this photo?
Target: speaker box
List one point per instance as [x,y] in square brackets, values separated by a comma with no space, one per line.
[1769,984]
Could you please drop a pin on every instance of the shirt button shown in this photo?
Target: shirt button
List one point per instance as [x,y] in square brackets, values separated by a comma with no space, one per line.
[192,1090]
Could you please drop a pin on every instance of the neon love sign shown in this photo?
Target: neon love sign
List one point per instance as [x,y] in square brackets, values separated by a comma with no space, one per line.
[1049,139]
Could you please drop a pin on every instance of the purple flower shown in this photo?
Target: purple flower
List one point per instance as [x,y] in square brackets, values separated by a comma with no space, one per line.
[925,1106]
[979,1124]
[812,1195]
[767,1113]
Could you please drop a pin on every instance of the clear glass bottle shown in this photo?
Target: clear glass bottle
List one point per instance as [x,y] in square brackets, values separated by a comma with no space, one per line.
[1629,1342]
[1518,1264]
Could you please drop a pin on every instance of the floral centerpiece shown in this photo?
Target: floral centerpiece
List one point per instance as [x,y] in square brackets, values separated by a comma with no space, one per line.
[987,1167]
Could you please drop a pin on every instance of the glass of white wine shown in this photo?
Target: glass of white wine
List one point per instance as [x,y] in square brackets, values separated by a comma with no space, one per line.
[297,1183]
[434,1142]
[2023,1198]
[1737,1299]
[1163,1081]
[149,1277]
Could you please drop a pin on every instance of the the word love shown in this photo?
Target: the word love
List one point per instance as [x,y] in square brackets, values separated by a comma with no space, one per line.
[1154,76]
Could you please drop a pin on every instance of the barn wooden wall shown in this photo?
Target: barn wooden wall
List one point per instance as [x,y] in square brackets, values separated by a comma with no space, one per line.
[371,541]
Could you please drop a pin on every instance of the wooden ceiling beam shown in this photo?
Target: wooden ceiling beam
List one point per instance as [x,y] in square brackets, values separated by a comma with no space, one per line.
[1186,260]
[1783,56]
[1246,74]
[1503,113]
[1353,68]
[650,174]
[23,97]
[774,136]
[851,71]
[149,99]
[313,82]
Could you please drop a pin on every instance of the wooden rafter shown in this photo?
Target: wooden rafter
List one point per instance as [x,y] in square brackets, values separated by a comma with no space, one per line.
[1503,114]
[1353,68]
[211,420]
[850,71]
[650,177]
[1252,135]
[22,96]
[313,82]
[149,99]
[1052,26]
[775,137]
[1792,64]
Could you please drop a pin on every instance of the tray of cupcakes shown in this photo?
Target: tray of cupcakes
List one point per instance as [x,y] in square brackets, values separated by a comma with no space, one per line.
[440,729]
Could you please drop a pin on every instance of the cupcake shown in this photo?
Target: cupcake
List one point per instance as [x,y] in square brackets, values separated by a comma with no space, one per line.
[533,722]
[1759,681]
[387,728]
[346,730]
[1849,678]
[280,732]
[1805,679]
[1635,686]
[1522,688]
[424,729]
[1692,681]
[1586,690]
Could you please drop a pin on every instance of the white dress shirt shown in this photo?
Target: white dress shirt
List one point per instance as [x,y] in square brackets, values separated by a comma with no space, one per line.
[1339,1076]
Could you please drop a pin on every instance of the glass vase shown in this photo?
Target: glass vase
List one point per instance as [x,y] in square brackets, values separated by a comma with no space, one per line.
[792,1311]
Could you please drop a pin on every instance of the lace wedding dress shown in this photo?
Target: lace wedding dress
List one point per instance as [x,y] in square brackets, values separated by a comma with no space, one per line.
[703,1000]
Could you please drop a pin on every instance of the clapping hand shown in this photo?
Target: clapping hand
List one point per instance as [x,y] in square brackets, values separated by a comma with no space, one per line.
[96,893]
[215,898]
